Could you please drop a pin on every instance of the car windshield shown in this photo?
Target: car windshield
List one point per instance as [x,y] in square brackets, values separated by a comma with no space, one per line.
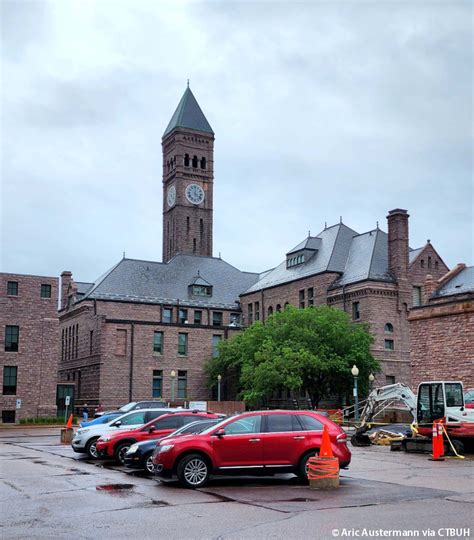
[194,427]
[128,407]
[218,425]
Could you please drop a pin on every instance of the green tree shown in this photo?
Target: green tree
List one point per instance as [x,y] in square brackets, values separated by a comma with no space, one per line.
[308,351]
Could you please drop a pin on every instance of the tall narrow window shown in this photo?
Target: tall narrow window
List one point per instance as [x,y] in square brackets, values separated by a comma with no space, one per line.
[197,316]
[12,288]
[250,314]
[389,345]
[388,328]
[91,341]
[158,342]
[201,227]
[215,345]
[183,344]
[183,316]
[167,315]
[302,298]
[278,307]
[194,245]
[187,225]
[62,344]
[182,384]
[45,291]
[12,338]
[422,263]
[9,380]
[355,311]
[157,385]
[217,318]
[270,311]
[203,163]
[429,262]
[257,311]
[416,296]
[195,162]
[186,160]
[76,345]
[310,296]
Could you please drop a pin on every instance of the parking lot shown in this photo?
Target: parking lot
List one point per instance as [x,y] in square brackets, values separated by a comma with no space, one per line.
[48,491]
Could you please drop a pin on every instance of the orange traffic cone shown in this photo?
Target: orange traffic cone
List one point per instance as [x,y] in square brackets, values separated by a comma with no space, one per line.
[440,439]
[326,448]
[436,455]
[69,422]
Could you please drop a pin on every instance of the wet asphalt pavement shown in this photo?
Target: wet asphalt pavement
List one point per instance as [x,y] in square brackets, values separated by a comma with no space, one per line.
[47,491]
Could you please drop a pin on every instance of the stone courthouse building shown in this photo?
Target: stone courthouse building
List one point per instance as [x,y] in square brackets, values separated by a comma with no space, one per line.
[145,329]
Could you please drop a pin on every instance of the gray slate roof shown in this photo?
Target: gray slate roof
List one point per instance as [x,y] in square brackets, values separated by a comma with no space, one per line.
[413,254]
[82,287]
[356,257]
[460,284]
[153,282]
[311,243]
[188,114]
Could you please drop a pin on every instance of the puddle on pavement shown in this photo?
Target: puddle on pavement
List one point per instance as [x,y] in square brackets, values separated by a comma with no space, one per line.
[297,499]
[116,489]
[159,503]
[76,471]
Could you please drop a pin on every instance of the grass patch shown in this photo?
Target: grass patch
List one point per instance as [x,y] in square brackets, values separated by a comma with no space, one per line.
[44,420]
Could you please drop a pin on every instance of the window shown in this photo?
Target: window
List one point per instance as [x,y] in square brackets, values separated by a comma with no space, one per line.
[194,245]
[186,160]
[8,417]
[388,328]
[217,318]
[390,379]
[187,225]
[249,424]
[310,296]
[157,385]
[201,227]
[202,290]
[158,342]
[170,422]
[91,341]
[12,338]
[257,311]
[195,162]
[182,384]
[355,311]
[203,163]
[389,346]
[278,423]
[197,317]
[136,418]
[436,265]
[12,288]
[183,316]
[215,345]
[454,397]
[45,291]
[310,423]
[183,344]
[270,311]
[234,319]
[422,263]
[278,307]
[9,380]
[429,262]
[62,344]
[416,296]
[250,314]
[302,299]
[167,315]
[121,342]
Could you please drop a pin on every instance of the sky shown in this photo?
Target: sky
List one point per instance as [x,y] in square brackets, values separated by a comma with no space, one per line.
[320,110]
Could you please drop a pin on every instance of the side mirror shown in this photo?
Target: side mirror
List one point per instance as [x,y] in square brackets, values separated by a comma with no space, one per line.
[118,423]
[219,433]
[151,429]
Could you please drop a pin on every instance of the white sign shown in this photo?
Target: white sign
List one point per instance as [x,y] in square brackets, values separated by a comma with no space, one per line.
[67,401]
[18,403]
[200,405]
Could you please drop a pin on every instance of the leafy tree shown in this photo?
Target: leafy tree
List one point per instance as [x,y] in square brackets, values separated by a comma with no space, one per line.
[308,351]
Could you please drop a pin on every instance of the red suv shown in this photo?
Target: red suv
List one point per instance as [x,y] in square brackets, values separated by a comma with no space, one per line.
[263,442]
[115,445]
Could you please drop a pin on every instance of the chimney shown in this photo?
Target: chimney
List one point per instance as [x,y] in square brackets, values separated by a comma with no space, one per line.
[398,243]
[430,288]
[66,279]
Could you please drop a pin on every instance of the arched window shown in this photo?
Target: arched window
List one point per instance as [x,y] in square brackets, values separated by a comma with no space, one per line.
[422,263]
[203,163]
[429,262]
[270,311]
[201,227]
[388,328]
[286,304]
[186,160]
[194,245]
[278,308]
[195,162]
[436,265]
[187,225]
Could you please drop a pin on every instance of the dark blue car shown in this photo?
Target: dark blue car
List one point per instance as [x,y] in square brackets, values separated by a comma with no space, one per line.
[102,419]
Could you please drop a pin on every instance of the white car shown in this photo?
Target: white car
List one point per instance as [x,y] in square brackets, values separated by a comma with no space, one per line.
[85,438]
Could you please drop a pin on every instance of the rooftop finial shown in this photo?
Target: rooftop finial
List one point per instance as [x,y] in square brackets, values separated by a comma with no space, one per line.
[428,241]
[309,233]
[377,225]
[188,83]
[220,255]
[340,219]
[325,225]
[199,272]
[123,257]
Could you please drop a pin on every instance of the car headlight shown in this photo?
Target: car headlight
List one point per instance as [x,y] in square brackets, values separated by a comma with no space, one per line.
[166,448]
[104,439]
[82,431]
[133,449]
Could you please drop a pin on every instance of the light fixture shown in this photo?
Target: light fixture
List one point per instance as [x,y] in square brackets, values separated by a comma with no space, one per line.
[355,371]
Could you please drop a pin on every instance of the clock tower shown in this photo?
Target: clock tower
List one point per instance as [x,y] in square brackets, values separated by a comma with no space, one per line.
[188,178]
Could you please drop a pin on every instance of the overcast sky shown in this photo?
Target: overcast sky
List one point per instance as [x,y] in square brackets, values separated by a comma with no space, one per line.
[320,110]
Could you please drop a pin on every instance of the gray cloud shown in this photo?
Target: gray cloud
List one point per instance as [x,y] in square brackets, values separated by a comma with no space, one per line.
[320,110]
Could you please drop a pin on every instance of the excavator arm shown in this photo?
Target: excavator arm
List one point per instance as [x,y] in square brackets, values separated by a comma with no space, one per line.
[379,400]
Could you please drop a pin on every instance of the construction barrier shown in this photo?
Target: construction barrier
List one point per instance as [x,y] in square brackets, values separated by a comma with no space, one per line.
[323,470]
[437,443]
[67,435]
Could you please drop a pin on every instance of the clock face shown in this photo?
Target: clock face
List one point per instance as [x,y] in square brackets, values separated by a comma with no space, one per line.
[171,197]
[194,194]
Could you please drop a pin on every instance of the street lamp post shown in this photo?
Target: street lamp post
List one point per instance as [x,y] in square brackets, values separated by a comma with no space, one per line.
[371,381]
[355,374]
[173,378]
[219,379]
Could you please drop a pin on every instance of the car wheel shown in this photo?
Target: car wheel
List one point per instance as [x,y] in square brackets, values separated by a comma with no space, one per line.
[91,448]
[193,471]
[148,463]
[120,452]
[303,466]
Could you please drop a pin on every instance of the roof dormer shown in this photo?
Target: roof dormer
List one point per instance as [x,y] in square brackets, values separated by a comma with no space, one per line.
[199,287]
[303,252]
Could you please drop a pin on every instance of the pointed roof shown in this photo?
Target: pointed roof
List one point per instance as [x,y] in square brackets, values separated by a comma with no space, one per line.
[189,115]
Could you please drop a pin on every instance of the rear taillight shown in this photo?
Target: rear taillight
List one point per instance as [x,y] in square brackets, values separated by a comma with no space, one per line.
[342,438]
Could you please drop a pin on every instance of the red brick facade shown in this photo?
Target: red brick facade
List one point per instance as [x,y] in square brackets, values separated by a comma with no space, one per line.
[28,303]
